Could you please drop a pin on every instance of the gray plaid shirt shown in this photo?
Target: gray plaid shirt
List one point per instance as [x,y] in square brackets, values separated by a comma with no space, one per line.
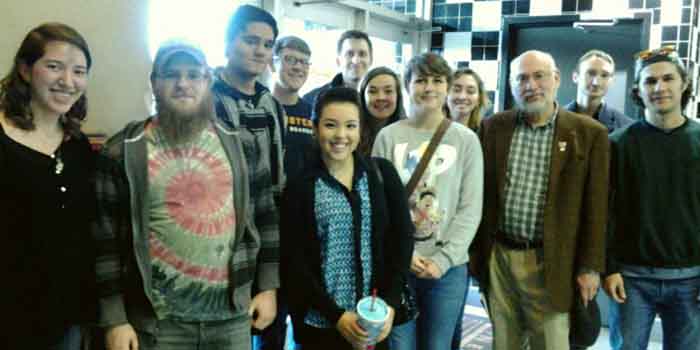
[527,178]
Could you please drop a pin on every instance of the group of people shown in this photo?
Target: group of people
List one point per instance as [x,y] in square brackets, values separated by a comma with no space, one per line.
[236,204]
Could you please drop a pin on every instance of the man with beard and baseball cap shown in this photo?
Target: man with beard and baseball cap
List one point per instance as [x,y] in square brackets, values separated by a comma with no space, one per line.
[541,241]
[176,241]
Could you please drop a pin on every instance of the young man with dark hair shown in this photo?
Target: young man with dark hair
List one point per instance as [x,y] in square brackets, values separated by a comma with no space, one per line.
[243,104]
[654,259]
[176,226]
[354,58]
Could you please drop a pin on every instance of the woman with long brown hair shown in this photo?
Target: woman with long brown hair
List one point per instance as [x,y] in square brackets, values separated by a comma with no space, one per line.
[382,104]
[467,100]
[47,194]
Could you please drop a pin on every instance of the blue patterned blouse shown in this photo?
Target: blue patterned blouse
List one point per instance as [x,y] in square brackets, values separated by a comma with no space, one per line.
[336,209]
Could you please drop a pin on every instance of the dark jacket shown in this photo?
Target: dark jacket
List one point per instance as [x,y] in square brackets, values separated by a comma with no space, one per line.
[311,96]
[392,238]
[608,116]
[575,213]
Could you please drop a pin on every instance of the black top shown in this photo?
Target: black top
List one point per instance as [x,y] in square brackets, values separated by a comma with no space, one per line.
[656,205]
[311,96]
[47,254]
[392,238]
[299,137]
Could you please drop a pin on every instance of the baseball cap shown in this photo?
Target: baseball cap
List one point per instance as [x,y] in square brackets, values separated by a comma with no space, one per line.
[172,48]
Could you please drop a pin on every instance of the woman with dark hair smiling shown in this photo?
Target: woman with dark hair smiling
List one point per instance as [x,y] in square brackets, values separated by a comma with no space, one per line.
[48,199]
[382,104]
[345,230]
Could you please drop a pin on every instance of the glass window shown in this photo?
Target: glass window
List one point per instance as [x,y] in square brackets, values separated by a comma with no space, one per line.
[201,23]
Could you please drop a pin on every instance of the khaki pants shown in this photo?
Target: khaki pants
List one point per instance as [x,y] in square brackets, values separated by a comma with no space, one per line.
[519,303]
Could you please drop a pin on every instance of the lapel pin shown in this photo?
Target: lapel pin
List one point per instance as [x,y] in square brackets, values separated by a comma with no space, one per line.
[562,146]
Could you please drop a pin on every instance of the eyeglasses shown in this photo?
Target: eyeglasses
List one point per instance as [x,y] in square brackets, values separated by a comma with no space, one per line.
[191,76]
[663,51]
[537,77]
[291,60]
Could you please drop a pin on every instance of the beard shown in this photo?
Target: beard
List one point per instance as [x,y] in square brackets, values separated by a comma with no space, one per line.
[178,126]
[531,107]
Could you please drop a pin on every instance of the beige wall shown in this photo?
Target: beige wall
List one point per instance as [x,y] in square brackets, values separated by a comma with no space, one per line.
[116,31]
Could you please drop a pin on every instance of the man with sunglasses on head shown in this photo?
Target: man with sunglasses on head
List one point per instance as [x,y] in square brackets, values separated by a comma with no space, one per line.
[654,254]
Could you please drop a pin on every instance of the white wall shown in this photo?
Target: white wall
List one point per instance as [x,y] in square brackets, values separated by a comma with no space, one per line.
[116,33]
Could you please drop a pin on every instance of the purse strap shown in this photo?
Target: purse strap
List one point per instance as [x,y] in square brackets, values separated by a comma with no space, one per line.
[425,159]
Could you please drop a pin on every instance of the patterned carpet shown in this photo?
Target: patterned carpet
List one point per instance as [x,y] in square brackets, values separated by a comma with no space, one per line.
[476,330]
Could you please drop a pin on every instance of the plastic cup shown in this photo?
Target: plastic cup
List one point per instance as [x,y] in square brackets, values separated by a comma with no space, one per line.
[372,317]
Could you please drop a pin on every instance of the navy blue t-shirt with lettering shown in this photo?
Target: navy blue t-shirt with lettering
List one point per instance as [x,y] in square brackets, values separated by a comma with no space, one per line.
[299,137]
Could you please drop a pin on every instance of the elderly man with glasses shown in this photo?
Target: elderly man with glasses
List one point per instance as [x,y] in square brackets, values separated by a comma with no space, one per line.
[540,245]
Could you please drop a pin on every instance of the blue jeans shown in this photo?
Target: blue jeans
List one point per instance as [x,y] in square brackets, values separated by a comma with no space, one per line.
[457,337]
[70,341]
[675,301]
[214,335]
[438,306]
[276,334]
[615,335]
[614,325]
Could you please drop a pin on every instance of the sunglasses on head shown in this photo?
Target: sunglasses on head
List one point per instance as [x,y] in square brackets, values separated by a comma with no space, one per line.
[663,51]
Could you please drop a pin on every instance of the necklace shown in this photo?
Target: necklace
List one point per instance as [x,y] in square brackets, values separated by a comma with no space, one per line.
[59,166]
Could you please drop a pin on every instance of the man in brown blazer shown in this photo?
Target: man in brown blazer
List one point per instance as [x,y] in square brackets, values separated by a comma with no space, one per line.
[541,240]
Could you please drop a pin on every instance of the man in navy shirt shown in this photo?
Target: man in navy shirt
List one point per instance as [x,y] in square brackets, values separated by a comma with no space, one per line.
[290,64]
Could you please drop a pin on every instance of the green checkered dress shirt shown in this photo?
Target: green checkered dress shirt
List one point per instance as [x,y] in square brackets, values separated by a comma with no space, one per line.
[527,178]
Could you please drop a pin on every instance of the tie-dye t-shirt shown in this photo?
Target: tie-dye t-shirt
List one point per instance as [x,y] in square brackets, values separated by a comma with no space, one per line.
[191,230]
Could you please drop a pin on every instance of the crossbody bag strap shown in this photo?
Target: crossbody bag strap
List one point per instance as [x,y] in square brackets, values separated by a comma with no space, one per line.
[425,159]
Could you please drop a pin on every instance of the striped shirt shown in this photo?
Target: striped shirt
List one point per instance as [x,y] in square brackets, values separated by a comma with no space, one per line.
[527,179]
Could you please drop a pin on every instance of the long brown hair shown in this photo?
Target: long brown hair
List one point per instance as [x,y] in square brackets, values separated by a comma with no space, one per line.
[370,131]
[475,116]
[15,92]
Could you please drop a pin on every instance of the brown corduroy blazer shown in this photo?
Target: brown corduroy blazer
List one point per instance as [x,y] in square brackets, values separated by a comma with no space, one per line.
[575,212]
